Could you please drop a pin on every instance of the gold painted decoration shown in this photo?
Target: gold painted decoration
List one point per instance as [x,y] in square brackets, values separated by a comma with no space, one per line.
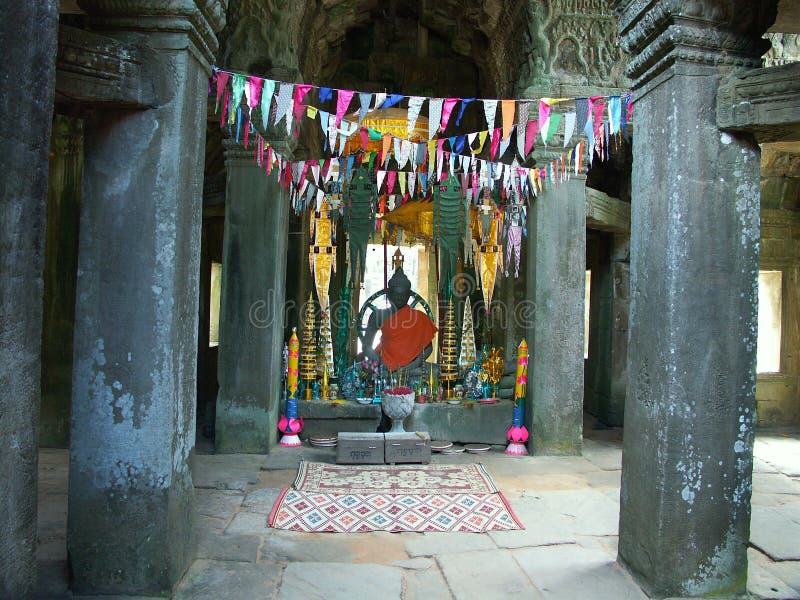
[466,358]
[308,349]
[490,251]
[322,252]
[294,359]
[494,365]
[448,353]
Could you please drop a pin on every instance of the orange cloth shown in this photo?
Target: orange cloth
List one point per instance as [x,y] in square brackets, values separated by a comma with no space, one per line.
[403,336]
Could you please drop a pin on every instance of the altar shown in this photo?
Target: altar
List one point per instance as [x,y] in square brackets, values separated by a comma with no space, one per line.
[465,423]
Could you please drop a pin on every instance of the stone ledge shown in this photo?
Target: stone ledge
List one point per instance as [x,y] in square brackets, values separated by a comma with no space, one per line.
[97,71]
[765,102]
[464,423]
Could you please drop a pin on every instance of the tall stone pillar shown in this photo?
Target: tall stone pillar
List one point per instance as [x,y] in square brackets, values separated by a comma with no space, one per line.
[252,305]
[130,527]
[60,273]
[26,101]
[689,412]
[556,268]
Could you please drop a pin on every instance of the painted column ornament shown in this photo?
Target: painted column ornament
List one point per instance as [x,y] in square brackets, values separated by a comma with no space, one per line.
[308,356]
[448,359]
[289,424]
[466,358]
[518,433]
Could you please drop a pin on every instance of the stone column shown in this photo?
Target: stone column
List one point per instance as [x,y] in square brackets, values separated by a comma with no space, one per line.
[28,72]
[60,273]
[130,528]
[252,306]
[556,282]
[689,412]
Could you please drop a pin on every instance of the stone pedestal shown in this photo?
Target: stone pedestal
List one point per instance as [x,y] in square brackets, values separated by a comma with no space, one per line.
[689,412]
[556,282]
[130,526]
[28,73]
[254,266]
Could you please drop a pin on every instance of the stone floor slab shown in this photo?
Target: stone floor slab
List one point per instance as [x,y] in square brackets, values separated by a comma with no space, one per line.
[261,500]
[249,523]
[605,456]
[220,504]
[544,525]
[241,548]
[776,534]
[226,471]
[486,574]
[338,581]
[571,571]
[763,583]
[420,544]
[425,585]
[213,579]
[775,483]
[294,546]
[414,564]
[787,571]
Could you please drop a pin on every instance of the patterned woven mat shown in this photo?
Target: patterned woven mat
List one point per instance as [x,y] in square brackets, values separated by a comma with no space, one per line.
[344,499]
[393,479]
[356,513]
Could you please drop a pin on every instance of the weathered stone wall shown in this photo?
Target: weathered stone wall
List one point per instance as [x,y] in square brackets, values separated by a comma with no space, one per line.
[778,394]
[571,49]
[26,106]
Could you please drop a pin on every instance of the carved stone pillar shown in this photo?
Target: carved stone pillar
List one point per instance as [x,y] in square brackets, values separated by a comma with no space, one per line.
[689,412]
[28,45]
[556,283]
[130,527]
[252,305]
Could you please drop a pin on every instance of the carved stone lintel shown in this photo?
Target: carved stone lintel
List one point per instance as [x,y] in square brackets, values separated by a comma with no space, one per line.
[607,213]
[97,71]
[200,19]
[765,102]
[658,33]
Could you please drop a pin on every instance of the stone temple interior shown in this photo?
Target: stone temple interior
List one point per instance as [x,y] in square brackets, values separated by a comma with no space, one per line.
[152,273]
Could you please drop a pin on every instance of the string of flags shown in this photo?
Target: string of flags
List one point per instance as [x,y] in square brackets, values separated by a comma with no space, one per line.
[410,164]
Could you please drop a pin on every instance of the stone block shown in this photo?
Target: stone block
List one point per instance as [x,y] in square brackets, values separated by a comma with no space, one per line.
[570,571]
[213,579]
[338,581]
[486,574]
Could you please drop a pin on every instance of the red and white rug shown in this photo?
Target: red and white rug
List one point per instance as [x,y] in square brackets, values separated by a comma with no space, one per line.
[392,498]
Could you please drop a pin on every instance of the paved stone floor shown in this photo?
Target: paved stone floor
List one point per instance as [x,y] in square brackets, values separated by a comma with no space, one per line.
[569,506]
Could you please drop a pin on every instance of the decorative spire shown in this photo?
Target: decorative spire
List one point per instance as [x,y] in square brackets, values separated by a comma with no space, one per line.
[466,358]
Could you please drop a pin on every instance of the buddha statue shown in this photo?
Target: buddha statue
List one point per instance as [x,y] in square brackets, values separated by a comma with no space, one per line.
[406,333]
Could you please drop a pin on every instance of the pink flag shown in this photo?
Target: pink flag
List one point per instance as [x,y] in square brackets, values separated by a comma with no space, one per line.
[495,141]
[364,137]
[544,113]
[254,85]
[342,102]
[222,82]
[391,176]
[530,136]
[447,109]
[598,108]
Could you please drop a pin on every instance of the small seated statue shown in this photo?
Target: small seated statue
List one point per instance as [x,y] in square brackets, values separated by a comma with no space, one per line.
[406,333]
